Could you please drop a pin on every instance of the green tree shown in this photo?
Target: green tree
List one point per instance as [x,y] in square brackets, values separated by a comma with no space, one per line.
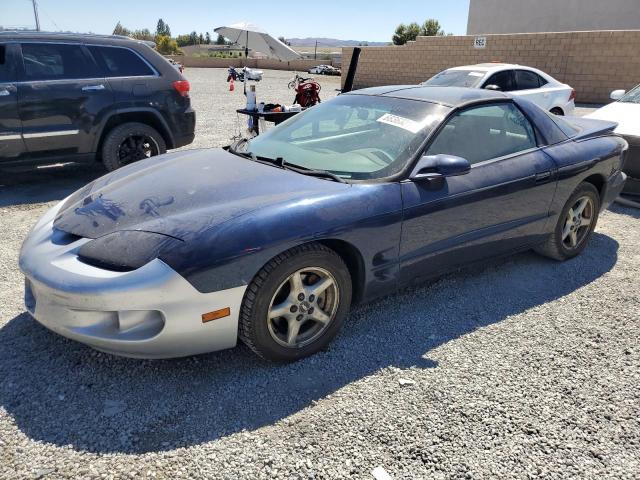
[207,38]
[431,28]
[406,33]
[163,29]
[143,34]
[166,45]
[120,30]
[220,40]
[183,40]
[200,39]
[193,38]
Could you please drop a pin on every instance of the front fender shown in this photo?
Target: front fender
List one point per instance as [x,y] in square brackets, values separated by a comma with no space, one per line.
[229,255]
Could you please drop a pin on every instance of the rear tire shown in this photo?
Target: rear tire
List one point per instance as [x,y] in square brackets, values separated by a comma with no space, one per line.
[130,142]
[575,225]
[296,303]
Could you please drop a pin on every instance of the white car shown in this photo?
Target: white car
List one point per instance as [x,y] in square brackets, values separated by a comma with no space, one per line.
[252,74]
[319,70]
[625,111]
[530,83]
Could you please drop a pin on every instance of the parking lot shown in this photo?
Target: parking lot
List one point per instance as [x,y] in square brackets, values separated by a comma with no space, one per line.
[454,379]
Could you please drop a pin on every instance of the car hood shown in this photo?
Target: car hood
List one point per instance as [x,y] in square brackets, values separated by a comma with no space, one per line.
[624,113]
[183,193]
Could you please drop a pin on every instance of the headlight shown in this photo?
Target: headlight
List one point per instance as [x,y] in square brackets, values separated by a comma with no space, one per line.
[126,250]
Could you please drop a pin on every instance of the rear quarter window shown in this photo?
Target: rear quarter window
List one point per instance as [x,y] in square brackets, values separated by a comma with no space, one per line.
[121,62]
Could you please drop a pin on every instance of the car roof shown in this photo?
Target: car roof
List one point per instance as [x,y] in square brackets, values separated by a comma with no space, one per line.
[487,67]
[68,37]
[448,96]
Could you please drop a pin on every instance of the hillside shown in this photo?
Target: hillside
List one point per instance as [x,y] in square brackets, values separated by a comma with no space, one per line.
[330,42]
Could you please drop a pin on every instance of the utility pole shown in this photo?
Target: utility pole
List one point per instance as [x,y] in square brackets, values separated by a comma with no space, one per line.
[315,52]
[35,14]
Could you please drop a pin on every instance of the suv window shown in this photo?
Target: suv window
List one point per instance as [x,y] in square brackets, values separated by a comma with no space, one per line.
[503,79]
[486,132]
[120,62]
[5,68]
[50,61]
[526,80]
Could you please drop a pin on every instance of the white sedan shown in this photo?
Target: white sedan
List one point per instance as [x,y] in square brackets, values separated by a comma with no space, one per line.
[527,82]
[319,70]
[625,111]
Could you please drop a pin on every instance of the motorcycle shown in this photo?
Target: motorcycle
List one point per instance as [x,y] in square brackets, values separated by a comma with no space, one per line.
[307,91]
[244,73]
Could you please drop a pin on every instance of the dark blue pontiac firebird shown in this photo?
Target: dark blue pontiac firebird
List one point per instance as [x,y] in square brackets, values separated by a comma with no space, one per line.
[272,239]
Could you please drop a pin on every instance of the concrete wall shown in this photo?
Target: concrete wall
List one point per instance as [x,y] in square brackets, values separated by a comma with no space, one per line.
[523,16]
[212,62]
[594,63]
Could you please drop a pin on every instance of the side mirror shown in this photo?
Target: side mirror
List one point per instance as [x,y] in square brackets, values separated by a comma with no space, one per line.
[617,94]
[493,87]
[438,166]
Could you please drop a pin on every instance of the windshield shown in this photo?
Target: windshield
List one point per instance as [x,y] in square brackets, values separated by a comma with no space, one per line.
[356,137]
[456,78]
[632,96]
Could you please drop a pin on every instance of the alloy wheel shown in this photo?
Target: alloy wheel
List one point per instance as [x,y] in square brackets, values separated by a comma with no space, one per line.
[136,147]
[578,223]
[303,307]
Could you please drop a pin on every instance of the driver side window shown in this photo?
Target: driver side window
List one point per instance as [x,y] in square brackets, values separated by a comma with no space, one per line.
[485,132]
[503,80]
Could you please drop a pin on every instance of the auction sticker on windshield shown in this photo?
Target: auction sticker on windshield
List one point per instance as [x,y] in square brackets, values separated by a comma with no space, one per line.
[405,123]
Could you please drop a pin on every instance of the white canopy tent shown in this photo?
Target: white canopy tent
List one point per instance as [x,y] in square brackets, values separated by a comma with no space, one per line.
[252,37]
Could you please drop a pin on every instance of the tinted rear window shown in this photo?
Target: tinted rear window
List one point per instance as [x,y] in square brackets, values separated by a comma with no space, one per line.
[526,80]
[50,61]
[121,62]
[5,74]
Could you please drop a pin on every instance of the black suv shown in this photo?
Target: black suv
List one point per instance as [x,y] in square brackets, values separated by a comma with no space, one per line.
[76,98]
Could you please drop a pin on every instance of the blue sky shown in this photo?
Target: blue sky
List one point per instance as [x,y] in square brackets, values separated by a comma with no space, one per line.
[372,20]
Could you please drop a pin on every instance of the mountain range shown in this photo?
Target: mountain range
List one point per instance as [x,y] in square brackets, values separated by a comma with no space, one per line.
[330,42]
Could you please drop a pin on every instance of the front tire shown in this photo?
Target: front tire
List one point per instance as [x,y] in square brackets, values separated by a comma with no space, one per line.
[557,111]
[130,142]
[575,225]
[296,303]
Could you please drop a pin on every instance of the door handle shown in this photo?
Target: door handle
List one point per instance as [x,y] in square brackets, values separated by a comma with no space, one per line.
[4,92]
[543,176]
[93,88]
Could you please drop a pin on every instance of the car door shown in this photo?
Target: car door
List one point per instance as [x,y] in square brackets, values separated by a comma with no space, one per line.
[501,205]
[528,85]
[134,81]
[61,98]
[11,142]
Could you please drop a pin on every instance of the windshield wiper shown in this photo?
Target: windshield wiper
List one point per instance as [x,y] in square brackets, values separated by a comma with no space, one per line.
[281,163]
[313,172]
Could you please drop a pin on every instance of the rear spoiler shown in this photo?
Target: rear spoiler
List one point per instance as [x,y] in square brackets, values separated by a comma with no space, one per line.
[590,127]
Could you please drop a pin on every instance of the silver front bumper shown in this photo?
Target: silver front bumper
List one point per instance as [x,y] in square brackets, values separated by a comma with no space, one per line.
[151,312]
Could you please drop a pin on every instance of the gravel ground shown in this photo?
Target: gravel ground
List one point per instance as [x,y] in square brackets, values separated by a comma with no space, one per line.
[455,379]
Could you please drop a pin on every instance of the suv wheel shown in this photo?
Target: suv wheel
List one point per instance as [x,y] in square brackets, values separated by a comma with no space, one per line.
[130,142]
